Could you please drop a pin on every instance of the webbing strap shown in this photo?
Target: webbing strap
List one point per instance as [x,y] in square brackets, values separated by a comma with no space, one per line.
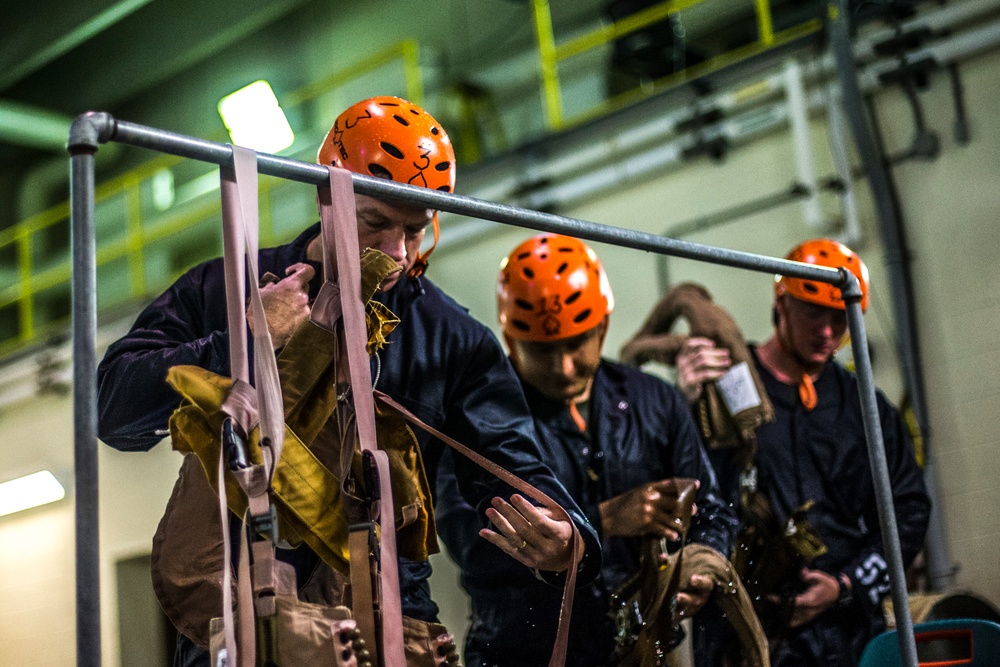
[240,234]
[342,255]
[245,626]
[559,649]
[227,576]
[362,595]
[240,211]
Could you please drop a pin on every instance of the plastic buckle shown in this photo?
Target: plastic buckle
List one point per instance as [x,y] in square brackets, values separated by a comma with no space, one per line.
[234,446]
[373,547]
[369,474]
[266,524]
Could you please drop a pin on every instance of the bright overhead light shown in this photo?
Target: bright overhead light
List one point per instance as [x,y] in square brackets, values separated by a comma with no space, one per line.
[255,119]
[30,491]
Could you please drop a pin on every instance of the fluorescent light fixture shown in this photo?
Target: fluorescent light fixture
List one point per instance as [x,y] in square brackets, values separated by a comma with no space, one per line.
[30,491]
[255,120]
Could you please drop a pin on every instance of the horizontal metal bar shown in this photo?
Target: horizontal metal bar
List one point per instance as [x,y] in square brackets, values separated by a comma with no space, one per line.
[272,165]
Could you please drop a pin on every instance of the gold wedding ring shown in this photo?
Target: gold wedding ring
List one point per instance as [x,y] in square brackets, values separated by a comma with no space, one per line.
[524,543]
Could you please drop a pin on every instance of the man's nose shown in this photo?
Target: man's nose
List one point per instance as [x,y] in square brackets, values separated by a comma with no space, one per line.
[562,363]
[393,243]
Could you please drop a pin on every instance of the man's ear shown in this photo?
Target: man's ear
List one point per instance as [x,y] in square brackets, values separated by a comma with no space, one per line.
[605,323]
[778,307]
[511,350]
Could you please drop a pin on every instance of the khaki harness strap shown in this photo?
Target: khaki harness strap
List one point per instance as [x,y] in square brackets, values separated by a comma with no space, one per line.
[339,233]
[240,234]
[362,595]
[559,650]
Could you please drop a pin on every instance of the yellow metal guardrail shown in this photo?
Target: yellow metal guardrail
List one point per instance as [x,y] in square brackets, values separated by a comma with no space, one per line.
[123,195]
[552,54]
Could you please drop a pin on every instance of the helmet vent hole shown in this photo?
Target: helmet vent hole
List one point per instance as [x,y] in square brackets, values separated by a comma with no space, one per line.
[391,150]
[543,257]
[524,255]
[582,315]
[565,249]
[378,170]
[444,188]
[824,253]
[523,305]
[573,297]
[528,272]
[523,326]
[414,112]
[544,239]
[435,131]
[810,287]
[401,120]
[562,267]
[388,104]
[443,166]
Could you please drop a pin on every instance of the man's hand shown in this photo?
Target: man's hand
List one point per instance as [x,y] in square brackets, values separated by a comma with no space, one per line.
[286,303]
[650,509]
[693,596]
[531,535]
[698,362]
[822,591]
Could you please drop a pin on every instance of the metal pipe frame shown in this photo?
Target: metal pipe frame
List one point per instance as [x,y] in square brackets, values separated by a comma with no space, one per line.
[93,128]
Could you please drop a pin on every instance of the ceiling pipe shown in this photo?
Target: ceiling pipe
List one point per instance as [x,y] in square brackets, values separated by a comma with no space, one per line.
[24,125]
[83,32]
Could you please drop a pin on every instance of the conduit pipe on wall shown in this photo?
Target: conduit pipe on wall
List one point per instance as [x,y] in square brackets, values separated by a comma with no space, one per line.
[798,116]
[851,230]
[24,125]
[614,169]
[554,177]
[933,21]
[897,264]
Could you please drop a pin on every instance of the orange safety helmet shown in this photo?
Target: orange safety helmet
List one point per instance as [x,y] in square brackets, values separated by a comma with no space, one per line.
[552,287]
[392,138]
[823,252]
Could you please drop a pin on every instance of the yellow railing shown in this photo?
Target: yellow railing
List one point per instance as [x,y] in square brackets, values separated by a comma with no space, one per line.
[552,54]
[143,228]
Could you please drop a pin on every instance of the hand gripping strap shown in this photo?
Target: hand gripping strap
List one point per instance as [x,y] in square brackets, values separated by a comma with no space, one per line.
[341,255]
[559,650]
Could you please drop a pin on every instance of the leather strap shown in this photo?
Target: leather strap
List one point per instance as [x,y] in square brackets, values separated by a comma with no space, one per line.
[559,650]
[362,595]
[240,211]
[240,235]
[341,255]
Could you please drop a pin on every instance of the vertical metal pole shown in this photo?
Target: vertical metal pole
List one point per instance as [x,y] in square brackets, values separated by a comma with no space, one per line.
[880,475]
[83,142]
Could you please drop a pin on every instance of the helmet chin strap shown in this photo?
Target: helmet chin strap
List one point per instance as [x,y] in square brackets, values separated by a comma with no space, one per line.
[421,262]
[807,390]
[574,411]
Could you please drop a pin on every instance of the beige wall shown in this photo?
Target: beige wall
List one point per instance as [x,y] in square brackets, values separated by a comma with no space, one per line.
[951,207]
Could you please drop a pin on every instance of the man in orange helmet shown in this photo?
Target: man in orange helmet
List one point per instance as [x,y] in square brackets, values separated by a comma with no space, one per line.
[441,364]
[811,472]
[613,435]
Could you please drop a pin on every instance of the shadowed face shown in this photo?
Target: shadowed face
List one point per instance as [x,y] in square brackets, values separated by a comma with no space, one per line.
[395,229]
[813,332]
[561,370]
